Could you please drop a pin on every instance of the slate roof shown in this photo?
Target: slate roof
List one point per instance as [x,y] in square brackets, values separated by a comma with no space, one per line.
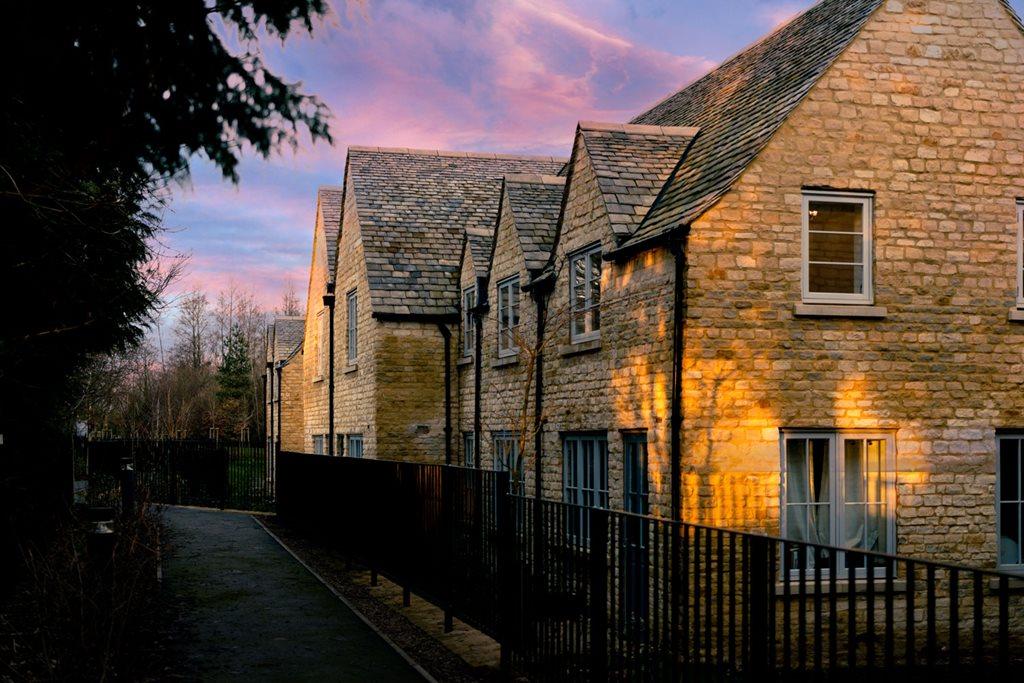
[740,105]
[329,202]
[632,164]
[415,207]
[480,244]
[535,202]
[288,332]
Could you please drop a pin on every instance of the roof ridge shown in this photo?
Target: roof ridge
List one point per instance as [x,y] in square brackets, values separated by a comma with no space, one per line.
[731,58]
[640,128]
[446,153]
[534,179]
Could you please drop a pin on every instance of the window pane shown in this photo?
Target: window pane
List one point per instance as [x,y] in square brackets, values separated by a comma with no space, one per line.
[853,471]
[876,471]
[796,471]
[835,279]
[835,248]
[1009,472]
[1009,533]
[836,216]
[579,273]
[595,278]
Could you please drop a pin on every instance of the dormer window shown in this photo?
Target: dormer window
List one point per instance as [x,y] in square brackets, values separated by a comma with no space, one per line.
[585,293]
[837,251]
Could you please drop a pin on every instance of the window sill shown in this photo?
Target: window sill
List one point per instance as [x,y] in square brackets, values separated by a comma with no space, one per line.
[1014,585]
[318,379]
[579,348]
[1016,315]
[505,362]
[842,587]
[839,311]
[349,369]
[464,361]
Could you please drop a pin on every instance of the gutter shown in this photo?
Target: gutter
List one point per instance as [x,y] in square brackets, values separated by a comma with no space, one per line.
[436,318]
[447,335]
[329,302]
[678,249]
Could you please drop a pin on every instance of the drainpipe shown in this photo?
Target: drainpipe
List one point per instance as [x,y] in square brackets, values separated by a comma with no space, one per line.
[277,448]
[447,334]
[268,385]
[678,248]
[329,303]
[540,296]
[478,344]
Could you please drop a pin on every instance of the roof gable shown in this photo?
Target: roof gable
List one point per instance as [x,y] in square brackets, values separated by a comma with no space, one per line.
[632,164]
[741,104]
[329,201]
[534,202]
[414,209]
[287,334]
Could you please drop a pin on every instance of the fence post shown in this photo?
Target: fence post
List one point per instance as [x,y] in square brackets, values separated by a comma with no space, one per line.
[760,576]
[598,594]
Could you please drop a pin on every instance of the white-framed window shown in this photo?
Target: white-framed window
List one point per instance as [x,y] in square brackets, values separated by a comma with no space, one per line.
[507,459]
[1020,253]
[585,293]
[319,444]
[635,491]
[584,479]
[837,247]
[355,445]
[468,449]
[352,325]
[1010,501]
[468,324]
[839,489]
[508,316]
[321,344]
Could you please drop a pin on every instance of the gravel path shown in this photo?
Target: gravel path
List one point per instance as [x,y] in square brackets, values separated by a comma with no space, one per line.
[248,611]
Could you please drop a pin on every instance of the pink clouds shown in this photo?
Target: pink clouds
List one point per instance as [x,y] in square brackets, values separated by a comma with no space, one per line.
[509,76]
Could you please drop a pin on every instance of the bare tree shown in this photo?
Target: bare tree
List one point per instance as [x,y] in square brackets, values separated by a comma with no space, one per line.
[290,299]
[192,331]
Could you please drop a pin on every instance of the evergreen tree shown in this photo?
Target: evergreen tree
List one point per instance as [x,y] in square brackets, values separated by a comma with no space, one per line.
[234,377]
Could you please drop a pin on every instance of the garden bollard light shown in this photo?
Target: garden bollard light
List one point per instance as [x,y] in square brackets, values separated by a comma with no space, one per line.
[100,545]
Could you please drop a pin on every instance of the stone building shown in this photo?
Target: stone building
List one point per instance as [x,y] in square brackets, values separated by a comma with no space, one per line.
[405,216]
[283,384]
[317,365]
[789,297]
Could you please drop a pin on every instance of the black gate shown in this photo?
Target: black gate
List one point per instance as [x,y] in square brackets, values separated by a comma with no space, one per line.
[201,472]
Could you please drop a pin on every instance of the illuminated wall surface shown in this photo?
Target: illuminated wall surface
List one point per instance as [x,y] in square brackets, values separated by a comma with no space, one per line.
[924,110]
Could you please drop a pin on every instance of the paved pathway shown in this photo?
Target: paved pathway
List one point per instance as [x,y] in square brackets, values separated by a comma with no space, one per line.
[249,611]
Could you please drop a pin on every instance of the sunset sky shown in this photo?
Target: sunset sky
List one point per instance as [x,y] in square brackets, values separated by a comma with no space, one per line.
[491,75]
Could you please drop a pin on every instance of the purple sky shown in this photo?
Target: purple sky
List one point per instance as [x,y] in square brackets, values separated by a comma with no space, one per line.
[494,75]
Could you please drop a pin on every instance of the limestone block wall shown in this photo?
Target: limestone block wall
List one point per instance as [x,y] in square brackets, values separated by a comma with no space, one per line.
[464,371]
[622,382]
[314,382]
[355,383]
[408,368]
[291,424]
[506,382]
[925,110]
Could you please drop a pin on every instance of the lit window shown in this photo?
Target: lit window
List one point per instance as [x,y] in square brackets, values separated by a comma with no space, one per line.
[508,316]
[352,325]
[1010,498]
[585,293]
[355,445]
[585,480]
[838,490]
[837,248]
[468,324]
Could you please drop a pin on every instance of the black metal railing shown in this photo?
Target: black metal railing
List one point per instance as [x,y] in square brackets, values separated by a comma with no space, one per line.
[631,597]
[201,472]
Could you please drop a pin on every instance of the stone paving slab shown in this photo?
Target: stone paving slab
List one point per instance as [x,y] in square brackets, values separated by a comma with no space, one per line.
[249,611]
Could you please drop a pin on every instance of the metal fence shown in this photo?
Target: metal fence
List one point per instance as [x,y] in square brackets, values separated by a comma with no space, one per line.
[201,472]
[576,593]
